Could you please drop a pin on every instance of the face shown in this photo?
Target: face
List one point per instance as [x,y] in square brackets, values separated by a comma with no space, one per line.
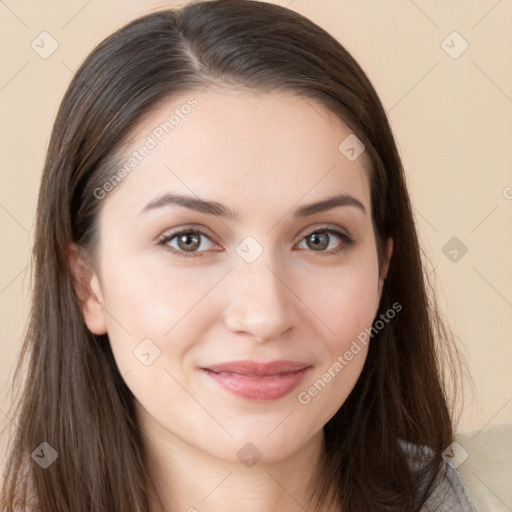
[241,234]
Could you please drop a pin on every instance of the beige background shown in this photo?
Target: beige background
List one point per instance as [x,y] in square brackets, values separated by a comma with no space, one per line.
[452,118]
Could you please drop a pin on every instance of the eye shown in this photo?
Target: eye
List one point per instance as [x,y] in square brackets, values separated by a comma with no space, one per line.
[323,240]
[187,242]
[192,242]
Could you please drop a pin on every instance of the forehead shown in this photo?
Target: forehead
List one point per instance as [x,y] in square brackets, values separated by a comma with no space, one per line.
[246,148]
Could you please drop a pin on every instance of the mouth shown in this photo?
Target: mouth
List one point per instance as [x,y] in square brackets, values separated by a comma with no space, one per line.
[258,381]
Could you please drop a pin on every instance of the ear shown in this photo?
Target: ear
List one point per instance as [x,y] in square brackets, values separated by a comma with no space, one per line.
[384,273]
[88,290]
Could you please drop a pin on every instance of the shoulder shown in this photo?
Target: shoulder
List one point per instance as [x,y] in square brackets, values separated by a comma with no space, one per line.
[487,466]
[450,493]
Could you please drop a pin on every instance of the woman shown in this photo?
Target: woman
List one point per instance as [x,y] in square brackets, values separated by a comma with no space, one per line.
[229,309]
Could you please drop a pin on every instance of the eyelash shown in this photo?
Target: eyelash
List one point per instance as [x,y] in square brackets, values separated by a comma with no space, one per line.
[165,239]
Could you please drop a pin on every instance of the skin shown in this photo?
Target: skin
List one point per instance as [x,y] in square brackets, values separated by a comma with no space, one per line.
[263,155]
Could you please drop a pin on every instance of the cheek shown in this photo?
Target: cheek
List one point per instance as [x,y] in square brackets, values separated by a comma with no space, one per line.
[345,299]
[148,301]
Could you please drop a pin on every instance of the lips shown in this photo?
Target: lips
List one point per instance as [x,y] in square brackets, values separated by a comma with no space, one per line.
[258,369]
[258,381]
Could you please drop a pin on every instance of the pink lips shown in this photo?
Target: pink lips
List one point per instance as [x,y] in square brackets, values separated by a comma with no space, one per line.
[259,381]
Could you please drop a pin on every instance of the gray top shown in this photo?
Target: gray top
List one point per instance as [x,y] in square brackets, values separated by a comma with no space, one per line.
[451,494]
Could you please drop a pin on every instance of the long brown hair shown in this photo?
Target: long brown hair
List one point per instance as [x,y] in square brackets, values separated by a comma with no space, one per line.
[74,397]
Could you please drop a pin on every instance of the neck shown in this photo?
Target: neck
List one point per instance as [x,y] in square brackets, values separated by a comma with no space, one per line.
[188,479]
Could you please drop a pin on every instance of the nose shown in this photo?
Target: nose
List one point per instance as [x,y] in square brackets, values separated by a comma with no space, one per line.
[260,302]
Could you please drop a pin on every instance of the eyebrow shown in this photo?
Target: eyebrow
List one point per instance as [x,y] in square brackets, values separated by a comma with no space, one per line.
[218,209]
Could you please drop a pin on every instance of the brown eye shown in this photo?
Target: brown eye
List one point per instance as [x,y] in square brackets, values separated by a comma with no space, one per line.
[326,240]
[318,241]
[189,241]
